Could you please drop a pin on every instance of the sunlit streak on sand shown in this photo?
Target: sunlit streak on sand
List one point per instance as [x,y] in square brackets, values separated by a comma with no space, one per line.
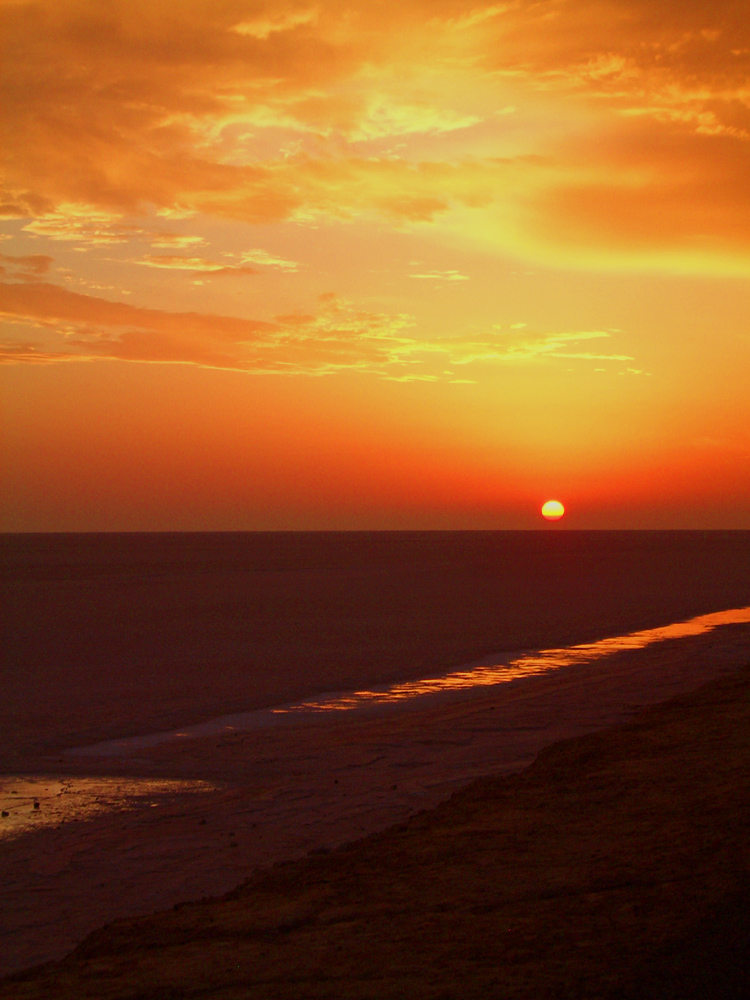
[32,802]
[523,666]
[480,675]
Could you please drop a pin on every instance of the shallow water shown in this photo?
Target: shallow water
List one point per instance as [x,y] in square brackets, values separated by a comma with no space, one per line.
[31,803]
[479,675]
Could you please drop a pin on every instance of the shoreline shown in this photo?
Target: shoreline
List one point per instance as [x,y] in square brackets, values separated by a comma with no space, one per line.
[614,868]
[284,793]
[124,636]
[460,682]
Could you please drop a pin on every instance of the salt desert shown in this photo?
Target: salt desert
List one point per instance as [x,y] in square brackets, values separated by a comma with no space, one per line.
[249,624]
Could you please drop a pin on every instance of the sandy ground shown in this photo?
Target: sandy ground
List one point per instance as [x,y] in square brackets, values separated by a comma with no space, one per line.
[135,840]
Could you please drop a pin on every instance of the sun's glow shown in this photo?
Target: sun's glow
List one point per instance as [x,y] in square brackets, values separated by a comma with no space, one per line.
[341,264]
[552,510]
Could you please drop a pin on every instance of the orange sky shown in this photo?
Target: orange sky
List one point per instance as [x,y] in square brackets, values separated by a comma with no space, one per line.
[375,265]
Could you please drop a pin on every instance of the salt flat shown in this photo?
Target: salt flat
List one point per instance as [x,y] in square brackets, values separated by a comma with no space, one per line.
[110,637]
[309,785]
[614,868]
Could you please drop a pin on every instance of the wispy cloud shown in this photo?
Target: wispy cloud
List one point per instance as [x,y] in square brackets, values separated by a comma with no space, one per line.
[29,268]
[83,223]
[266,259]
[263,26]
[442,275]
[237,264]
[338,336]
[176,241]
[88,225]
[513,350]
[193,264]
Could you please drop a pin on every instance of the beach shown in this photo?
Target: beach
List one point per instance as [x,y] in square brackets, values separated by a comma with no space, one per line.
[191,818]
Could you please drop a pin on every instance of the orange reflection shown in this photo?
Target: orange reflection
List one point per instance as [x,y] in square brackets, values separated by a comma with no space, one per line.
[481,675]
[527,665]
[32,802]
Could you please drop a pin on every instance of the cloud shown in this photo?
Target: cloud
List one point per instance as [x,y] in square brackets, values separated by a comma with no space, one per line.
[383,117]
[175,241]
[533,347]
[193,264]
[337,337]
[219,268]
[262,27]
[475,15]
[29,268]
[83,224]
[623,105]
[89,225]
[267,259]
[679,196]
[442,276]
[31,354]
[87,327]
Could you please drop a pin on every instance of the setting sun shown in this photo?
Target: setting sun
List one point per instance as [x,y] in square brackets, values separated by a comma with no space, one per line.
[552,510]
[251,254]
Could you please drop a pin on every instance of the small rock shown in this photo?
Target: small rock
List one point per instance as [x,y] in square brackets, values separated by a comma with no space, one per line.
[36,805]
[5,813]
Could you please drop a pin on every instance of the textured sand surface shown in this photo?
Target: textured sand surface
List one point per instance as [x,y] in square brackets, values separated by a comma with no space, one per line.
[109,636]
[305,787]
[617,867]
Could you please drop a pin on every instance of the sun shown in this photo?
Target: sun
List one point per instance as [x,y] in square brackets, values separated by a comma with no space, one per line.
[552,510]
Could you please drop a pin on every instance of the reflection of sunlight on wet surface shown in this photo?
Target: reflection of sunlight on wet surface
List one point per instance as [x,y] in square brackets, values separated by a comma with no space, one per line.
[476,676]
[32,802]
[523,666]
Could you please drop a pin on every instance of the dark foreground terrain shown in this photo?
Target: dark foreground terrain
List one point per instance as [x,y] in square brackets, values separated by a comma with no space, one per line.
[616,867]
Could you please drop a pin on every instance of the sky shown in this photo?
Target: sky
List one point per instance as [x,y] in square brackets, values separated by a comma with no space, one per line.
[354,264]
